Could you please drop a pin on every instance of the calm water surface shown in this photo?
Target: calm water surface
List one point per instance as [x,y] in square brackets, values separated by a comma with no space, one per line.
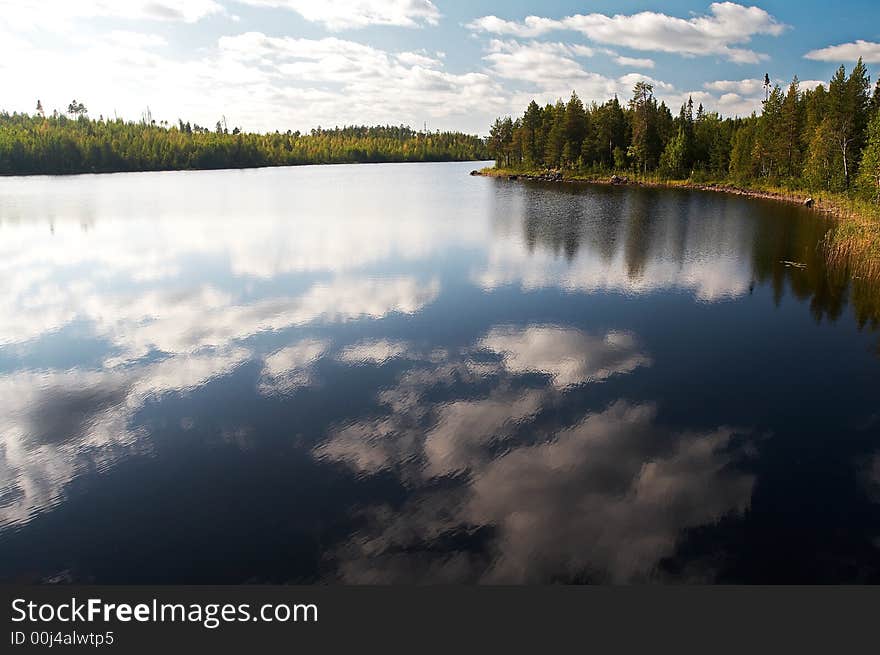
[399,373]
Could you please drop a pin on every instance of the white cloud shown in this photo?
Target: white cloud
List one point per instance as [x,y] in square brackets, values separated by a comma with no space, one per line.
[354,14]
[741,97]
[530,27]
[726,25]
[138,40]
[548,65]
[258,82]
[554,71]
[741,87]
[809,85]
[26,14]
[869,51]
[634,62]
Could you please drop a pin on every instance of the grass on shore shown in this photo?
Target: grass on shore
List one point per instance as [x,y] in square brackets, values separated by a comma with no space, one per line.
[853,242]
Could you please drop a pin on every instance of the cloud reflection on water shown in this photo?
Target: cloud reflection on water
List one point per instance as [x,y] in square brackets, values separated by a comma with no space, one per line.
[603,499]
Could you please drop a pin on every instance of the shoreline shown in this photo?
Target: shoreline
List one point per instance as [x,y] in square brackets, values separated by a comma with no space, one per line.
[853,242]
[240,168]
[806,200]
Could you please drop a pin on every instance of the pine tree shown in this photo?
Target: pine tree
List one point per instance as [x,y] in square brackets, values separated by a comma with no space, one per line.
[645,141]
[531,124]
[791,120]
[769,150]
[575,128]
[555,136]
[742,166]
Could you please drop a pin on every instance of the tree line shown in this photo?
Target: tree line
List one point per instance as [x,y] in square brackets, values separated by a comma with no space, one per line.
[827,138]
[71,142]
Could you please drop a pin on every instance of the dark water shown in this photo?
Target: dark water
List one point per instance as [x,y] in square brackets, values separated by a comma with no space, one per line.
[402,374]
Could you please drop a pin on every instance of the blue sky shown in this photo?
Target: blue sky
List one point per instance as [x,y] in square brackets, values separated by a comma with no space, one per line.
[295,64]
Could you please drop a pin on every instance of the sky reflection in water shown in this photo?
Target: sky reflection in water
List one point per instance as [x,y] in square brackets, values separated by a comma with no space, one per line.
[400,373]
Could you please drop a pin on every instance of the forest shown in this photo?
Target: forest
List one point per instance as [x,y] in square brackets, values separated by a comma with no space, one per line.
[71,142]
[824,139]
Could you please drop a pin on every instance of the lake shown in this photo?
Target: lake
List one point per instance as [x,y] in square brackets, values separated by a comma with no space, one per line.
[402,374]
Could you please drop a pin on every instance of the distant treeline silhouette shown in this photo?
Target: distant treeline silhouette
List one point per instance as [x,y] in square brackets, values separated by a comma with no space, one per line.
[822,139]
[78,144]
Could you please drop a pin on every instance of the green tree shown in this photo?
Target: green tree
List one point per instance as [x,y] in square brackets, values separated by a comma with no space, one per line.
[555,128]
[575,128]
[769,148]
[790,122]
[673,161]
[76,109]
[645,144]
[822,169]
[848,113]
[500,139]
[532,140]
[869,169]
[742,166]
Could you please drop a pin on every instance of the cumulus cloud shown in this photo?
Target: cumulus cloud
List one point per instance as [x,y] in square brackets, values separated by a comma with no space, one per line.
[30,13]
[741,87]
[635,62]
[741,97]
[869,51]
[811,84]
[259,82]
[354,14]
[726,25]
[554,70]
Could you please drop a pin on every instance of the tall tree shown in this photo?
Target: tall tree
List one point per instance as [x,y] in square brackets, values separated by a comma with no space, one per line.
[533,147]
[848,113]
[791,119]
[645,143]
[575,128]
[770,144]
[742,166]
[555,127]
[500,139]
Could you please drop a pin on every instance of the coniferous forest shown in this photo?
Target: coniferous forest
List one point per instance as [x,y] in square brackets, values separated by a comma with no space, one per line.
[823,139]
[71,142]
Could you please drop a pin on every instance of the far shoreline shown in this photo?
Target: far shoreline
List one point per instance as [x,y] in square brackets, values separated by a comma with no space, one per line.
[239,168]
